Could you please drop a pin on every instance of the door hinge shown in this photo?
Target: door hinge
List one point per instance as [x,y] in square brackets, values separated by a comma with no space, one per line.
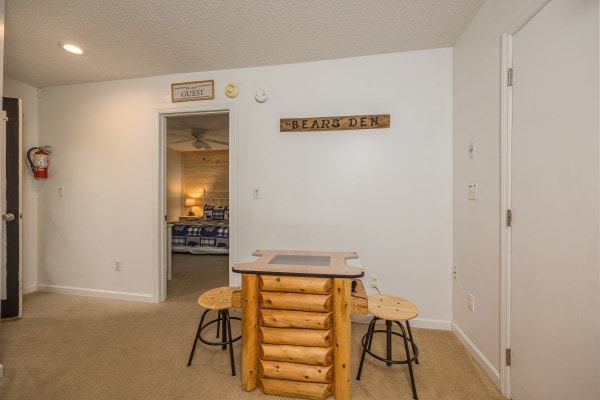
[508,360]
[165,217]
[508,217]
[510,77]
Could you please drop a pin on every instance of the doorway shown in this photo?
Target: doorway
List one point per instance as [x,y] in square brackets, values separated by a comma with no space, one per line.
[11,265]
[552,189]
[197,201]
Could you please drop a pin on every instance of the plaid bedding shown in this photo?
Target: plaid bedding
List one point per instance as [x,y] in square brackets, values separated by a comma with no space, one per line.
[216,212]
[201,233]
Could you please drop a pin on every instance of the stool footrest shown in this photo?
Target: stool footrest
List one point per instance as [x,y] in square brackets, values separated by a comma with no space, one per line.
[415,349]
[211,343]
[223,320]
[406,335]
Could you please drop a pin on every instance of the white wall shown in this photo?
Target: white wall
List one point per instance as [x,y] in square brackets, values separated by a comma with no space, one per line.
[173,185]
[31,187]
[385,193]
[476,232]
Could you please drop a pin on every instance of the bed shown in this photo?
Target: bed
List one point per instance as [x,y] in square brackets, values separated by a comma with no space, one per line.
[207,234]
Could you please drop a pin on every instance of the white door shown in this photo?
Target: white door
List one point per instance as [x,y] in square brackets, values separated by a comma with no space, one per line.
[555,185]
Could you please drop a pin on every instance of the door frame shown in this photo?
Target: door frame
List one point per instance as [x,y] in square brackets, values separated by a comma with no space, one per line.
[17,213]
[160,275]
[505,188]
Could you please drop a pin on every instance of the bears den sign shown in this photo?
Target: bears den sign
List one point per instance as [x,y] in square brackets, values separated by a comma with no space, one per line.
[347,122]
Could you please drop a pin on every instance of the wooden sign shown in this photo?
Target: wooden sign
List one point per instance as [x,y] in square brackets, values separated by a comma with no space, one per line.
[348,122]
[191,91]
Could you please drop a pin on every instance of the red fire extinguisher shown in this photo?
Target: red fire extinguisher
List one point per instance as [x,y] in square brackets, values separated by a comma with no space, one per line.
[39,164]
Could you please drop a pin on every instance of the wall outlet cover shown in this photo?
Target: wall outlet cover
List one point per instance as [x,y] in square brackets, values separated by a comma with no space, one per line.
[471,302]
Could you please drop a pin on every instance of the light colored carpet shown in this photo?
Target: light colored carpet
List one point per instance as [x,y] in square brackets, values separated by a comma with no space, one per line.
[79,348]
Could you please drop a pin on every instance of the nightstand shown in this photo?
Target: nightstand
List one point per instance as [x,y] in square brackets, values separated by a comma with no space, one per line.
[184,217]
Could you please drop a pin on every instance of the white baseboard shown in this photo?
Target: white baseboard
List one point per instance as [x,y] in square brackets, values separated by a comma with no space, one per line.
[437,324]
[107,294]
[30,289]
[481,359]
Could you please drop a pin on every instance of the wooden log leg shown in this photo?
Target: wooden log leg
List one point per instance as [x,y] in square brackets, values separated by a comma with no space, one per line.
[342,389]
[249,332]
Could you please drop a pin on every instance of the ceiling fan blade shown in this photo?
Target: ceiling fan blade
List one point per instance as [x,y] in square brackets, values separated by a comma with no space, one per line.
[217,141]
[180,141]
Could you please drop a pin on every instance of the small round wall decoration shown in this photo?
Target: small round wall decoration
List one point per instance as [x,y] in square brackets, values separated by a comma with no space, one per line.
[232,90]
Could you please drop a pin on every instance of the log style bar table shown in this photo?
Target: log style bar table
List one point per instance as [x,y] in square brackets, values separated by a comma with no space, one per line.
[296,308]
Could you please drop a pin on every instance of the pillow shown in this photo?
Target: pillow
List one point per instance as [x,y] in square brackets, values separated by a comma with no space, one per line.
[217,213]
[208,211]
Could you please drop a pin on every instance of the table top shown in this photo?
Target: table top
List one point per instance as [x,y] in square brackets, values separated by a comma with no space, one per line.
[301,263]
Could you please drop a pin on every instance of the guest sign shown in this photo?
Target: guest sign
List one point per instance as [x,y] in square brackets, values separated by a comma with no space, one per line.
[190,91]
[347,122]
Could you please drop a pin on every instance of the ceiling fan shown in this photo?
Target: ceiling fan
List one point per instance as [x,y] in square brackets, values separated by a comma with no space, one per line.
[200,141]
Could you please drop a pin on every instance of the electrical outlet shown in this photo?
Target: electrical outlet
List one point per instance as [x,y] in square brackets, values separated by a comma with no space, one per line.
[471,302]
[455,271]
[117,265]
[375,281]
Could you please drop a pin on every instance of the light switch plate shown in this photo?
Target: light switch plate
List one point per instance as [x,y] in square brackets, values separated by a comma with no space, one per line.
[471,150]
[472,192]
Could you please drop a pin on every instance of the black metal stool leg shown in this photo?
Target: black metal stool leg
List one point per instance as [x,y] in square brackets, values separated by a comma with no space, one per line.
[196,338]
[410,370]
[224,325]
[218,323]
[229,339]
[388,334]
[372,332]
[413,345]
[366,345]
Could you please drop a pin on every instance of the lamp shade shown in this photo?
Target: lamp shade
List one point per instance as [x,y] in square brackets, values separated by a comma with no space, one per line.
[190,202]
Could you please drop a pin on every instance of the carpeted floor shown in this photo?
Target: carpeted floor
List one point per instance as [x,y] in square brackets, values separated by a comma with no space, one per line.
[79,348]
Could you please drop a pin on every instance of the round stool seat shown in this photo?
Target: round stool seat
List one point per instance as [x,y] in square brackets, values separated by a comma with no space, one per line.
[392,308]
[217,299]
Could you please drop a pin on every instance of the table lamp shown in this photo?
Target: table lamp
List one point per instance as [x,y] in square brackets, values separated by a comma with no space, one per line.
[190,203]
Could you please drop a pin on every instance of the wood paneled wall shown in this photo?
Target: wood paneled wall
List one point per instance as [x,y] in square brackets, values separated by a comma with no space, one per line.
[204,170]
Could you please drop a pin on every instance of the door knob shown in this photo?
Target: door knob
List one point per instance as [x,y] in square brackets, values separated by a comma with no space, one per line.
[8,217]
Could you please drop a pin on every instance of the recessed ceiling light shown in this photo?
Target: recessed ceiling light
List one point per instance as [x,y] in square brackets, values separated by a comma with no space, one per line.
[71,48]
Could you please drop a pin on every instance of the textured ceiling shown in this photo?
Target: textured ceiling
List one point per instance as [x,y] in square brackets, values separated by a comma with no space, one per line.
[214,124]
[136,38]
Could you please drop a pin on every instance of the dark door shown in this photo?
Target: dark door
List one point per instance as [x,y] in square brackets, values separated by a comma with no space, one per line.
[11,299]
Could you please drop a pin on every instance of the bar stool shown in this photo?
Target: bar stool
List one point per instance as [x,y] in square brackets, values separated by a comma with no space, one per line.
[218,299]
[392,310]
